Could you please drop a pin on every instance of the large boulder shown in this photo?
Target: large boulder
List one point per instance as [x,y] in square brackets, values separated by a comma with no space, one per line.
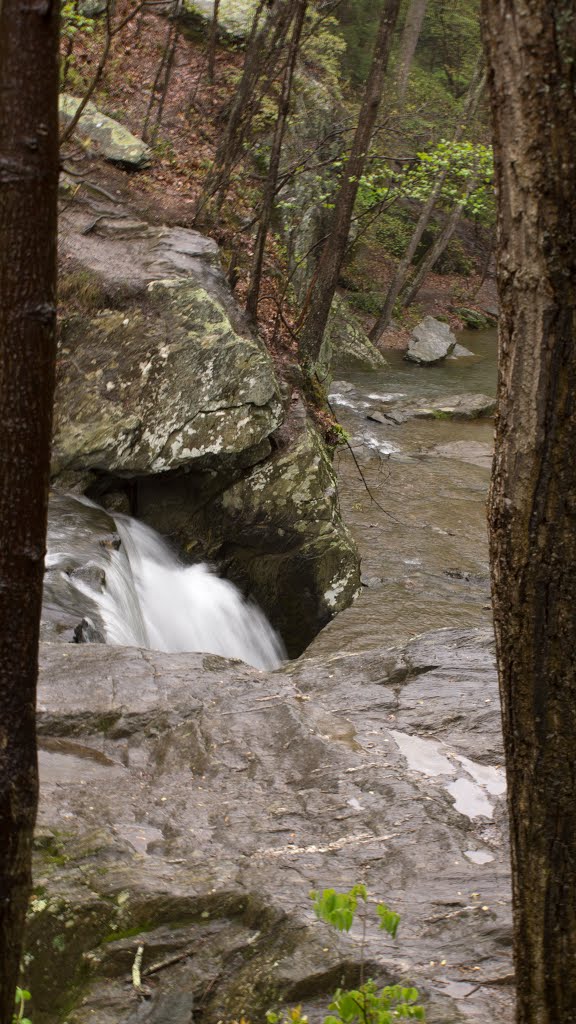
[188,804]
[167,401]
[431,341]
[113,141]
[166,384]
[234,17]
[346,344]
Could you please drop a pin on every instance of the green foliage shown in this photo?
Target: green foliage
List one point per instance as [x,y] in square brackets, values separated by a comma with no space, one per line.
[462,163]
[370,1006]
[450,41]
[22,997]
[393,231]
[366,1004]
[323,48]
[358,24]
[73,21]
[338,909]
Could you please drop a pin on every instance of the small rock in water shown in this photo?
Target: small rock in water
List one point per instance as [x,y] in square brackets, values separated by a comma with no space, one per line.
[91,575]
[342,387]
[431,342]
[87,633]
[371,581]
[460,352]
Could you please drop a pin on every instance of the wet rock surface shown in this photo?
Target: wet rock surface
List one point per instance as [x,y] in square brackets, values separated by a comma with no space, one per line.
[189,804]
[431,342]
[77,533]
[452,407]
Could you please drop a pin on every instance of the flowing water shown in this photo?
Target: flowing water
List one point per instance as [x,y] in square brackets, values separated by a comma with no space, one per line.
[422,528]
[413,494]
[145,597]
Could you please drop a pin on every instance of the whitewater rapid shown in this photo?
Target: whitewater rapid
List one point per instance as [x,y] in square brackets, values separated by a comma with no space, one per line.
[151,599]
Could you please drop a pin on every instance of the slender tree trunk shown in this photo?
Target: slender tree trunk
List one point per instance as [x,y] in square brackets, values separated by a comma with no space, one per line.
[110,32]
[161,83]
[28,203]
[403,269]
[262,50]
[212,41]
[531,53]
[274,165]
[437,248]
[321,293]
[408,44]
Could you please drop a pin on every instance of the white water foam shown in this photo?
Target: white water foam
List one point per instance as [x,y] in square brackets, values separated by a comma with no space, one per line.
[152,600]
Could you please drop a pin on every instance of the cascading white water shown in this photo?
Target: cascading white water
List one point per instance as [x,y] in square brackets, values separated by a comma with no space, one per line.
[150,599]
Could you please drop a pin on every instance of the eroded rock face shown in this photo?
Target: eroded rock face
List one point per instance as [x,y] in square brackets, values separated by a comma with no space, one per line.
[307,570]
[431,342]
[188,804]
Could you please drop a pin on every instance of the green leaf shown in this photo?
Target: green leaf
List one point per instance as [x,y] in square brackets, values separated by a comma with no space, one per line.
[389,920]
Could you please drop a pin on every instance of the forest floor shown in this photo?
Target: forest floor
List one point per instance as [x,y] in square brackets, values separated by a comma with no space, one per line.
[184,144]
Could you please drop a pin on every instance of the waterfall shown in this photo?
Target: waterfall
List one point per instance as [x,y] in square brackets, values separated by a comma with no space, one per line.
[150,599]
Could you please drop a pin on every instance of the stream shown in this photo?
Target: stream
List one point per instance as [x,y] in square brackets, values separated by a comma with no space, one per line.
[423,538]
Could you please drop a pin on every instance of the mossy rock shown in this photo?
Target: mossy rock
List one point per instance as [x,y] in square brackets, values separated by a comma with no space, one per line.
[112,139]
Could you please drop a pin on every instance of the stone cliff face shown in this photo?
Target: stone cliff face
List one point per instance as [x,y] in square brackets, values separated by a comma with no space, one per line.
[168,407]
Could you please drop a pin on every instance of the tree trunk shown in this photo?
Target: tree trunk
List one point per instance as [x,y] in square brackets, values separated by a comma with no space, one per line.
[531,52]
[28,203]
[321,292]
[212,42]
[274,165]
[408,44]
[435,251]
[402,273]
[262,50]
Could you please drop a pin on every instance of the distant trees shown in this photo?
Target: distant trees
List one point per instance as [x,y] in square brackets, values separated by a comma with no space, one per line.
[28,203]
[531,55]
[323,285]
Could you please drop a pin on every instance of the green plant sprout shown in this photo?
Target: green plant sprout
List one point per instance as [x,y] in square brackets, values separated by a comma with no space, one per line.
[21,998]
[366,1004]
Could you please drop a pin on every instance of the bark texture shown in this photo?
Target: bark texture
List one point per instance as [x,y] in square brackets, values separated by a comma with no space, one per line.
[321,293]
[28,198]
[531,53]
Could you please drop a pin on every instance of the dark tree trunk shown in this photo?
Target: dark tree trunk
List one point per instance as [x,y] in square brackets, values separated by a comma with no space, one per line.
[274,165]
[321,293]
[212,41]
[437,248]
[531,53]
[28,197]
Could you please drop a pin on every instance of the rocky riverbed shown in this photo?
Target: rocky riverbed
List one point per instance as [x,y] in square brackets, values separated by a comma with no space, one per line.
[189,803]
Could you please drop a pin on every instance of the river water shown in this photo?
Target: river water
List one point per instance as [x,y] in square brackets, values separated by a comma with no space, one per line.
[422,529]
